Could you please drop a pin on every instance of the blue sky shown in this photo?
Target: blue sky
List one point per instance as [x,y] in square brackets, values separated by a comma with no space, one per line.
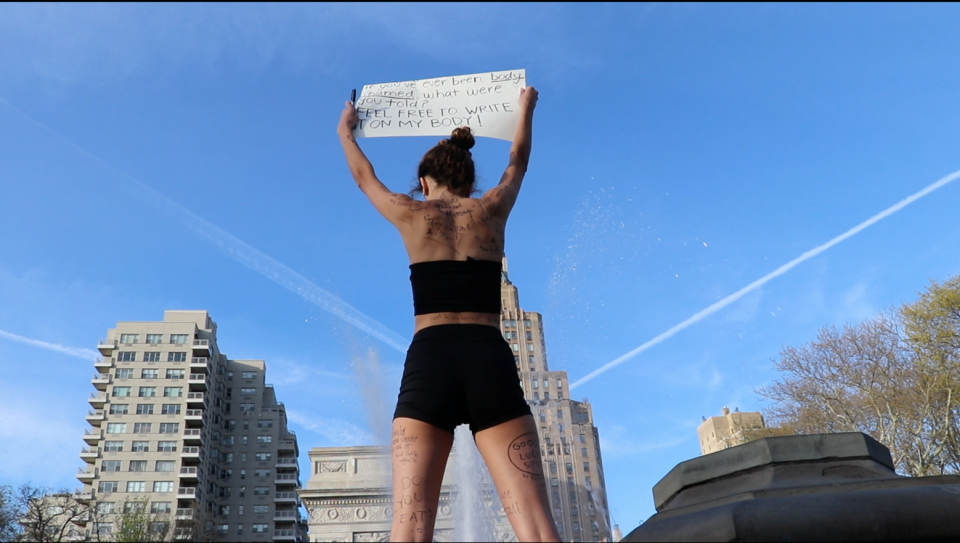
[155,157]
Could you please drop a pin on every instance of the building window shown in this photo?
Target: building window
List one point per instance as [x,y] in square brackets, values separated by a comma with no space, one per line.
[262,457]
[138,465]
[586,466]
[546,395]
[261,509]
[536,395]
[543,417]
[240,526]
[583,438]
[142,427]
[264,424]
[246,407]
[229,376]
[106,487]
[264,439]
[140,446]
[535,383]
[243,440]
[151,357]
[123,373]
[223,529]
[126,356]
[172,392]
[149,374]
[224,510]
[121,392]
[163,486]
[529,336]
[153,339]
[136,486]
[243,457]
[127,339]
[529,347]
[526,323]
[248,391]
[176,357]
[164,465]
[553,468]
[145,409]
[553,480]
[119,409]
[227,440]
[175,374]
[169,427]
[515,347]
[240,512]
[105,508]
[259,528]
[170,409]
[160,507]
[147,392]
[262,473]
[178,339]
[159,528]
[110,465]
[113,446]
[243,491]
[569,467]
[248,375]
[167,446]
[117,428]
[104,530]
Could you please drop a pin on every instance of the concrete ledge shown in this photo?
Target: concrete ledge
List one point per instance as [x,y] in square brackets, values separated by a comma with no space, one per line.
[767,451]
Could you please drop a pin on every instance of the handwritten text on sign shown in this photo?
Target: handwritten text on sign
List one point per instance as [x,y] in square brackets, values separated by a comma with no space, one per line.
[486,102]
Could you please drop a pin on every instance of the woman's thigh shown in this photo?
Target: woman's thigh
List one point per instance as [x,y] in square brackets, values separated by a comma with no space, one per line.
[511,451]
[419,453]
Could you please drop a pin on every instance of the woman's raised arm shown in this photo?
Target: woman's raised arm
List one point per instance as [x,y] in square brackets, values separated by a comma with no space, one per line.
[394,207]
[504,195]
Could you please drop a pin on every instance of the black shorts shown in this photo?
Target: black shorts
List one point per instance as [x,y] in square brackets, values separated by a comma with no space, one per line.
[460,374]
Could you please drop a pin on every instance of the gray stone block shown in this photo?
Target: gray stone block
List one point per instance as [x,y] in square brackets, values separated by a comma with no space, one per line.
[827,487]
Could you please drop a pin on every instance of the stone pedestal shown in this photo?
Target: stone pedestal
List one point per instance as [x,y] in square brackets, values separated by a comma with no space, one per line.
[824,487]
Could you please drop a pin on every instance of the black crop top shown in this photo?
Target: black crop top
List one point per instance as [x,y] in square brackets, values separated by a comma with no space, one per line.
[456,285]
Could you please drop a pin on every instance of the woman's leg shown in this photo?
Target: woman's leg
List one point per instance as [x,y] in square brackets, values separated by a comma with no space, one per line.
[419,453]
[511,451]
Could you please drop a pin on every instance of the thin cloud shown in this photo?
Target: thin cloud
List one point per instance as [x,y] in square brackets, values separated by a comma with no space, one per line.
[766,278]
[338,432]
[85,354]
[243,253]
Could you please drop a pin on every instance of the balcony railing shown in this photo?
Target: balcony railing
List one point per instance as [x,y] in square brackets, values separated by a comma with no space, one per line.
[191,451]
[184,514]
[97,398]
[286,477]
[194,397]
[190,491]
[191,433]
[284,533]
[201,343]
[284,496]
[100,363]
[188,471]
[194,413]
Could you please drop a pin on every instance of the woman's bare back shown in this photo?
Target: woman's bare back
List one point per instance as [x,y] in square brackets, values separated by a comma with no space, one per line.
[454,229]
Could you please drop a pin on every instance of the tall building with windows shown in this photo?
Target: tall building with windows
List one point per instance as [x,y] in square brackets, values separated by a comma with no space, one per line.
[201,439]
[347,500]
[570,443]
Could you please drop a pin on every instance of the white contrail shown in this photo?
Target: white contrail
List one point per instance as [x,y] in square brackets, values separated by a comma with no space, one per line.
[247,255]
[777,272]
[85,354]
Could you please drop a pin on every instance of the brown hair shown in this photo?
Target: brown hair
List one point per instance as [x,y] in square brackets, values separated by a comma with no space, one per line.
[450,164]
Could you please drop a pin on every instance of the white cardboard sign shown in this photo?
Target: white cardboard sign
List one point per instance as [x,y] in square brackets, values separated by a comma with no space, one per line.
[486,102]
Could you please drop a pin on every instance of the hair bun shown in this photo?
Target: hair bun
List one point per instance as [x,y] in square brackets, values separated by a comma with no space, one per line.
[462,137]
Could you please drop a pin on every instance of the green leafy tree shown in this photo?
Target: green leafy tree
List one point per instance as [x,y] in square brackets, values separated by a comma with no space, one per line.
[895,377]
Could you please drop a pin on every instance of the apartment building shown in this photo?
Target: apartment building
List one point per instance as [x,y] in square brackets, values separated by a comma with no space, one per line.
[723,432]
[196,437]
[347,499]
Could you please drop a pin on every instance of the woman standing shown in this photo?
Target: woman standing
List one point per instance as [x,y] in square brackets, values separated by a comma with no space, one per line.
[459,369]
